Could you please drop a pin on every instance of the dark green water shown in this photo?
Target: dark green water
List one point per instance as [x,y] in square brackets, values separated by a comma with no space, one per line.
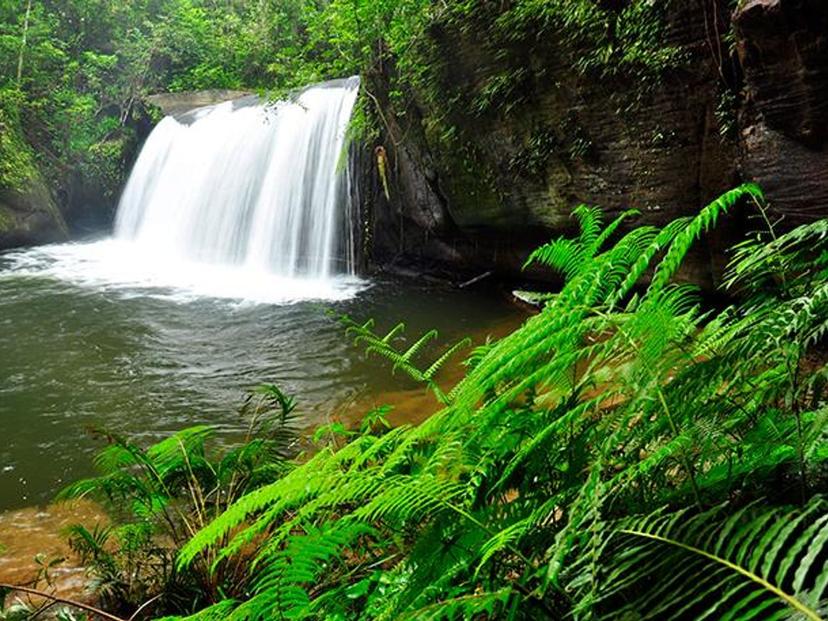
[78,354]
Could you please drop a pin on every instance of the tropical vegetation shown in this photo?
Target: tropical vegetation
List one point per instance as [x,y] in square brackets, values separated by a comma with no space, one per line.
[619,432]
[634,450]
[629,452]
[76,73]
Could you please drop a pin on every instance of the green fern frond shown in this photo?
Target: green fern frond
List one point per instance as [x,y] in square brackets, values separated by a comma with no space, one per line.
[221,611]
[753,559]
[758,262]
[563,255]
[404,360]
[464,607]
[611,401]
[704,221]
[610,230]
[284,578]
[291,488]
[440,362]
[590,222]
[417,347]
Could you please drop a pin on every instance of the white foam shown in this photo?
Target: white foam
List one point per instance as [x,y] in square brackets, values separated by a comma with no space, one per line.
[133,269]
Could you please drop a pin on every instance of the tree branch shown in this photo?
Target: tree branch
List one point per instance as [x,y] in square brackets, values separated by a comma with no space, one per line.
[61,600]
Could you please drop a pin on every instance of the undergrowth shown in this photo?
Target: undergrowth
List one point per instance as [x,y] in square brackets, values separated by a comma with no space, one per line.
[627,453]
[160,496]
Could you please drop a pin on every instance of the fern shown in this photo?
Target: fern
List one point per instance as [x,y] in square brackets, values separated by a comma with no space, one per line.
[464,606]
[769,562]
[704,221]
[162,495]
[284,577]
[620,396]
[404,360]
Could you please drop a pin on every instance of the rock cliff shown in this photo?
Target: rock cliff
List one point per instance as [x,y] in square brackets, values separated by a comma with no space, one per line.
[472,188]
[783,50]
[83,199]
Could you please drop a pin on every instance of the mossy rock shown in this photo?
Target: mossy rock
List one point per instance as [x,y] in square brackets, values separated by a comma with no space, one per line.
[29,216]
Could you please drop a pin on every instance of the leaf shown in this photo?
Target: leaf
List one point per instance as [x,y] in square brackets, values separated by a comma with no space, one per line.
[733,545]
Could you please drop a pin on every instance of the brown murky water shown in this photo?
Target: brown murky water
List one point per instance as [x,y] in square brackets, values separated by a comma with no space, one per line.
[33,537]
[412,403]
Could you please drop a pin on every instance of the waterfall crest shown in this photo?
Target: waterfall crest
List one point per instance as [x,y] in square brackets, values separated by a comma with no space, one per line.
[244,185]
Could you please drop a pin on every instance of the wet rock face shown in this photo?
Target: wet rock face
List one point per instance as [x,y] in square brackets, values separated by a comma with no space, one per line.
[88,196]
[570,139]
[83,201]
[783,50]
[77,201]
[89,200]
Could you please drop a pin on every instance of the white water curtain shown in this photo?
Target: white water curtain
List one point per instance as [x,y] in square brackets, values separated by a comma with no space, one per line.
[258,187]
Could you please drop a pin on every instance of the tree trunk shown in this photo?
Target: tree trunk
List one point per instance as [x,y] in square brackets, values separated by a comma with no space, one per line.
[23,43]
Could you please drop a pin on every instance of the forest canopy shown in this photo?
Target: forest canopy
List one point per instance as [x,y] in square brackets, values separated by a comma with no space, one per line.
[75,71]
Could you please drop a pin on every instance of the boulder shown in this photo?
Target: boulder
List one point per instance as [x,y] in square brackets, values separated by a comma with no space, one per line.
[30,217]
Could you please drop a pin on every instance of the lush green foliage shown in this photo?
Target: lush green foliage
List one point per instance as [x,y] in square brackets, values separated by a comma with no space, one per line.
[75,72]
[756,563]
[161,496]
[618,432]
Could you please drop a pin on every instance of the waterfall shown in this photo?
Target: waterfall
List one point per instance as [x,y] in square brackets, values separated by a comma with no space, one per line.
[261,188]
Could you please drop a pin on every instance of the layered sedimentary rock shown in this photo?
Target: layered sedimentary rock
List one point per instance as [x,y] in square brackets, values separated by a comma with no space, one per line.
[783,50]
[667,149]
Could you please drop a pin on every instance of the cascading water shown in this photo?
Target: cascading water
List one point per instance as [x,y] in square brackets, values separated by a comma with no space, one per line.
[240,200]
[247,185]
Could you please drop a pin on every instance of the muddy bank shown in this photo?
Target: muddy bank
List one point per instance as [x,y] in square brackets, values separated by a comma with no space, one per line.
[34,550]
